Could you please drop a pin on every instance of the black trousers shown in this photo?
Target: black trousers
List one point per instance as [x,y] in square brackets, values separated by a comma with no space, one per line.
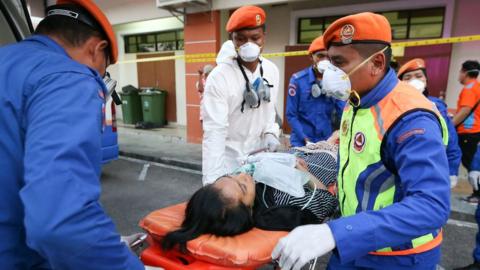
[468,144]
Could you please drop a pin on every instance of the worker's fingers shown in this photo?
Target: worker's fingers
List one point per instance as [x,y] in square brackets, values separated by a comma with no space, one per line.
[278,248]
[287,257]
[300,263]
[288,262]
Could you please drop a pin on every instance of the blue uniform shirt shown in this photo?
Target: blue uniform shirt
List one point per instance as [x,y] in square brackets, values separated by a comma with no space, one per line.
[50,155]
[309,117]
[454,154]
[422,194]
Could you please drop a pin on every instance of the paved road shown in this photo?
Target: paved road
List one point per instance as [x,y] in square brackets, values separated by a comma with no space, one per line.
[127,199]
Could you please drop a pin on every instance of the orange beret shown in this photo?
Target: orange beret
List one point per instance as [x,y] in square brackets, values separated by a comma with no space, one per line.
[102,20]
[246,17]
[317,45]
[411,65]
[363,27]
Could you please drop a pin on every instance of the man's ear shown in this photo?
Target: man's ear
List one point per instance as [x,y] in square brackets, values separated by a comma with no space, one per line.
[379,61]
[100,48]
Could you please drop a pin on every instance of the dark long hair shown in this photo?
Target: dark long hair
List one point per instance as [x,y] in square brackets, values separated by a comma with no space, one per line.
[208,212]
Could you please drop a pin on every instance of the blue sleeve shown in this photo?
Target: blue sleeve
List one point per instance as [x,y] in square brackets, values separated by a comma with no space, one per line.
[424,189]
[475,166]
[454,154]
[64,220]
[293,102]
[339,106]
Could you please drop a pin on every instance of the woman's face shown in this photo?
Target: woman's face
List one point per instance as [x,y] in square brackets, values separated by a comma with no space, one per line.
[239,187]
[416,74]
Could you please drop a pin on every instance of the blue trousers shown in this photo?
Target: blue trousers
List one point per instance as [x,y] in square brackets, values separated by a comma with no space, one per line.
[334,264]
[476,251]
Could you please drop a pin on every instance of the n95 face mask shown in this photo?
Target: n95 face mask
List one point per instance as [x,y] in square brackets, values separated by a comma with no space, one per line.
[417,84]
[322,65]
[281,177]
[249,52]
[336,82]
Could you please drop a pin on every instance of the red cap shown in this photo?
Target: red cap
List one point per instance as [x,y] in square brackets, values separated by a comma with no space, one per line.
[363,27]
[246,17]
[411,65]
[317,45]
[102,20]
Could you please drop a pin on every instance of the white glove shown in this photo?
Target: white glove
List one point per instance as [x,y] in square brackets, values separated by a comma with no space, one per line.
[271,142]
[474,179]
[453,181]
[310,145]
[302,245]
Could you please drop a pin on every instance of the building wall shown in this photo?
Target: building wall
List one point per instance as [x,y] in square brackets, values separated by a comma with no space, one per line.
[278,33]
[126,72]
[282,16]
[466,22]
[125,11]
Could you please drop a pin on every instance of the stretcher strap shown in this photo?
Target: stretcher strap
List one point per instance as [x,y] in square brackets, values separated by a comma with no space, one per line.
[420,249]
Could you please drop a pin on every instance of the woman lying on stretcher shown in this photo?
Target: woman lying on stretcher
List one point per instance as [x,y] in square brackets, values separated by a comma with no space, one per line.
[272,191]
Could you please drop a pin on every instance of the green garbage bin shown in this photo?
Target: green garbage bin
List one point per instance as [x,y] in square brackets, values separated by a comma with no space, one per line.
[153,105]
[131,105]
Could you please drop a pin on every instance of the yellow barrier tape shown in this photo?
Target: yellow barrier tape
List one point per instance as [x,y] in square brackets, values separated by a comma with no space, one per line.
[436,41]
[210,57]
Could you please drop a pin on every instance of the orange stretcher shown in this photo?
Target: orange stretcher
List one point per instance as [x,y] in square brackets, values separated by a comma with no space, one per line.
[247,251]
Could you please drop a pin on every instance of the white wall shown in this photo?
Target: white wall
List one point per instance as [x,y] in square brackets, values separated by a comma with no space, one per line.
[230,4]
[466,22]
[131,11]
[180,89]
[277,38]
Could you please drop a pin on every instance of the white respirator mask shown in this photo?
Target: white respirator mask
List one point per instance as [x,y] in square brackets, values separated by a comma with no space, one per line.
[337,83]
[322,66]
[417,84]
[249,52]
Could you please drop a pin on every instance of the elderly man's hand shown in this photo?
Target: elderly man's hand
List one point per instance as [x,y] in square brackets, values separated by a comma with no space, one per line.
[302,245]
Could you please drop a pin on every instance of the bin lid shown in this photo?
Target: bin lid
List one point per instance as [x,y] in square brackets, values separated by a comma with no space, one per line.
[152,92]
[129,90]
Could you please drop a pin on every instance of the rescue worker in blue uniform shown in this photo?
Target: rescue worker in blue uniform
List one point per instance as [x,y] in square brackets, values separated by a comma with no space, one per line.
[312,114]
[414,72]
[393,183]
[474,178]
[51,95]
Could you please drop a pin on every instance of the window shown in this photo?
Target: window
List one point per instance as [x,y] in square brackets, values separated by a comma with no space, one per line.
[154,42]
[406,24]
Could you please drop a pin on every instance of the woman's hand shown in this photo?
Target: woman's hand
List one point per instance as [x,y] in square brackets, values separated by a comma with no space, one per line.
[301,165]
[313,182]
[333,138]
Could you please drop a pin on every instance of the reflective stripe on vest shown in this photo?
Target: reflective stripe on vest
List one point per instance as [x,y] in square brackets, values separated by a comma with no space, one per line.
[360,155]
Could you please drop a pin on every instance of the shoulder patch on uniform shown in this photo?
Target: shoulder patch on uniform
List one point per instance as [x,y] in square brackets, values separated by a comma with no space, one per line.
[410,133]
[470,85]
[292,89]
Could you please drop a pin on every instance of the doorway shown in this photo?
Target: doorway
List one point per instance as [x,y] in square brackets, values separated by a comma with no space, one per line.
[160,74]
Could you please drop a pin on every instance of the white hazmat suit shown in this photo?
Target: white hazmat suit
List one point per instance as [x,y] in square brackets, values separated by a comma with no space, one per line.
[230,134]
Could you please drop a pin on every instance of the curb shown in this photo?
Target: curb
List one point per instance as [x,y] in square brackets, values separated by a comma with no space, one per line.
[165,160]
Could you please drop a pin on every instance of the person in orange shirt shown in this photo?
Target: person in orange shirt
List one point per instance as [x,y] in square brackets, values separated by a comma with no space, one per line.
[467,120]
